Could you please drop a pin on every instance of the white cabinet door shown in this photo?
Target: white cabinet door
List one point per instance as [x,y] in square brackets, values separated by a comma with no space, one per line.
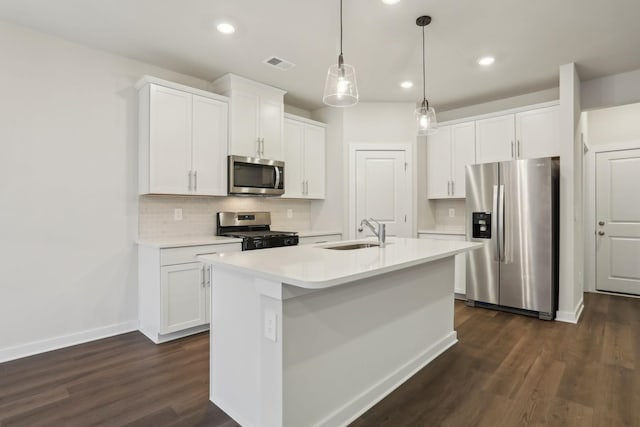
[463,147]
[182,297]
[439,164]
[538,133]
[314,161]
[293,159]
[209,144]
[169,140]
[270,128]
[245,116]
[495,139]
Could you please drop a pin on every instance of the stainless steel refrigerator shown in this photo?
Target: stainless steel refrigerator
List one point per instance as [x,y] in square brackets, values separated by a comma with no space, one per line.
[513,208]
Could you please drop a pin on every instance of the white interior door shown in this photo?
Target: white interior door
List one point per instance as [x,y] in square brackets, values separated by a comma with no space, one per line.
[618,221]
[383,183]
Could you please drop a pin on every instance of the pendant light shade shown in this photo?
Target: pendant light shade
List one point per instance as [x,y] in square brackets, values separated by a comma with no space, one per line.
[426,121]
[340,88]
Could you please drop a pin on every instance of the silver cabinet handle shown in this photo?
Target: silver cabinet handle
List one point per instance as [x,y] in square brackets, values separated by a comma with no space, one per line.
[208,274]
[600,222]
[453,188]
[448,188]
[518,147]
[195,180]
[306,188]
[303,187]
[190,177]
[512,156]
[262,149]
[600,233]
[258,149]
[203,279]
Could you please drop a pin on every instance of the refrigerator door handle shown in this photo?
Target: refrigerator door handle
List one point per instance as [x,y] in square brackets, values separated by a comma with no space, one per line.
[494,226]
[501,237]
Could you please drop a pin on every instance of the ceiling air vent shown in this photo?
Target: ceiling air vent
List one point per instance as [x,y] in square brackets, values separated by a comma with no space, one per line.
[279,63]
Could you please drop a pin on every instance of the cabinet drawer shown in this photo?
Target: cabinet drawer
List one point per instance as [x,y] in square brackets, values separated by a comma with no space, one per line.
[320,239]
[186,254]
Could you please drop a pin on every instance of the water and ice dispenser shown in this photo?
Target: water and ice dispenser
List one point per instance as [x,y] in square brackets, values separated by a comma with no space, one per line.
[481,225]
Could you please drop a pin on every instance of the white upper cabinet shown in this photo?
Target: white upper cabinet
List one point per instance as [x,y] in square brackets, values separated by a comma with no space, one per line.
[305,165]
[495,139]
[256,117]
[448,152]
[538,133]
[523,135]
[182,139]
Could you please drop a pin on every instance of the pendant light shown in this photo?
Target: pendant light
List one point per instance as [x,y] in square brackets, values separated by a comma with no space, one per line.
[425,114]
[340,89]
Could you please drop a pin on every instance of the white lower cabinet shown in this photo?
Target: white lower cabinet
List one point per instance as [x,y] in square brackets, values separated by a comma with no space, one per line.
[460,285]
[174,290]
[324,238]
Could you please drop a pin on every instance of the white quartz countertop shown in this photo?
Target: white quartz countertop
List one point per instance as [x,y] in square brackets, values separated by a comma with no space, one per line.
[177,242]
[314,233]
[315,267]
[455,231]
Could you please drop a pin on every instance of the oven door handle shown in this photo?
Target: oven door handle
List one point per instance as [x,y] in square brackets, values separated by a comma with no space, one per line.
[277,177]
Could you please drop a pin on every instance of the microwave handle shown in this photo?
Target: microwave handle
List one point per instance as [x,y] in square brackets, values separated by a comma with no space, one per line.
[277,177]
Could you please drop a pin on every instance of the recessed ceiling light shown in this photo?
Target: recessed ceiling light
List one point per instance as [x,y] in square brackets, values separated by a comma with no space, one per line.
[406,85]
[486,60]
[226,28]
[390,1]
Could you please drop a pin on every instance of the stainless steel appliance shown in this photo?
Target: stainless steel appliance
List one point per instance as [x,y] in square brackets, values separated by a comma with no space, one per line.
[513,208]
[253,176]
[254,228]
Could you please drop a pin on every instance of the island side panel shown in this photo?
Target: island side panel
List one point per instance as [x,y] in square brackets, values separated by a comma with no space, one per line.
[347,347]
[235,365]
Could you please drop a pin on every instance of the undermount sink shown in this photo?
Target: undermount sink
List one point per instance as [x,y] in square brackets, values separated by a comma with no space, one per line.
[353,246]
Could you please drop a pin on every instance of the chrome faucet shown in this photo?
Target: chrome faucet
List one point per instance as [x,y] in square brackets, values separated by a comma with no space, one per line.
[381,234]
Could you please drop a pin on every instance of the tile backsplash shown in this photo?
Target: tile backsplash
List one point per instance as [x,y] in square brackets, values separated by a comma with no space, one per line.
[442,218]
[156,214]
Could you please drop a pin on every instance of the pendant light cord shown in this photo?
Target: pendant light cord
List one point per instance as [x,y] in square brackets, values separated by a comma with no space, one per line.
[424,74]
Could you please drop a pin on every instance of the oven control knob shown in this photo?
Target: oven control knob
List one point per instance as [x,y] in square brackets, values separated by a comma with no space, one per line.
[258,243]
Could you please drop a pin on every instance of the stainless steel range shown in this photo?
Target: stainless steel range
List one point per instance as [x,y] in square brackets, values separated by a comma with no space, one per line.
[254,228]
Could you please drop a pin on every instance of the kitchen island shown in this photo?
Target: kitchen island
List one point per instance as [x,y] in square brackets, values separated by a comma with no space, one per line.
[309,335]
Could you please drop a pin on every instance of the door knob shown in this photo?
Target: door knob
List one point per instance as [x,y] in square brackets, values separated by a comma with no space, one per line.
[600,222]
[601,233]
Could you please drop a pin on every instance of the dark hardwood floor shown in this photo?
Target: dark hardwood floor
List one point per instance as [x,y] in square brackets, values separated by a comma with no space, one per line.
[507,370]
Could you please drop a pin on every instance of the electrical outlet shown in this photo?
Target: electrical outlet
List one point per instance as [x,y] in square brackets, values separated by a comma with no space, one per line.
[289,213]
[177,214]
[270,325]
[452,212]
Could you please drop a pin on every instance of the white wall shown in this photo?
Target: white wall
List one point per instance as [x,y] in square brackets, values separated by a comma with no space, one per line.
[571,288]
[610,91]
[614,125]
[68,180]
[524,100]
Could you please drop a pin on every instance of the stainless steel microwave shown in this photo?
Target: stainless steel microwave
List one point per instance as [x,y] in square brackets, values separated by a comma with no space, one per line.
[253,176]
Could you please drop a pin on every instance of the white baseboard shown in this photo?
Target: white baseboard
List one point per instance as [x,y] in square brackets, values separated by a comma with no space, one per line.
[368,398]
[571,316]
[37,347]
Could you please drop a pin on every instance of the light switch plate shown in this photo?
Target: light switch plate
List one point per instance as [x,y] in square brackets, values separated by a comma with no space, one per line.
[177,214]
[270,326]
[452,212]
[289,213]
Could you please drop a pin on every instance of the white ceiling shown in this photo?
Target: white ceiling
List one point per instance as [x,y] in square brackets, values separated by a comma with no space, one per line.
[529,39]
